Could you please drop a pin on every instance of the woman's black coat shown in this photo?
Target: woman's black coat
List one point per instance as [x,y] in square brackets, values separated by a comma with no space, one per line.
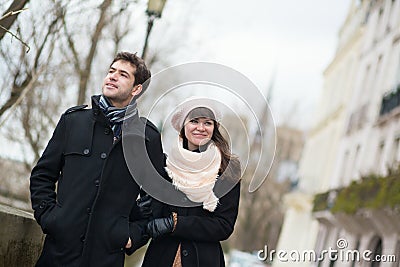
[199,232]
[93,213]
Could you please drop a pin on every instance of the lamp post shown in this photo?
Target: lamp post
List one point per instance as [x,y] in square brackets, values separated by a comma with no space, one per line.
[154,10]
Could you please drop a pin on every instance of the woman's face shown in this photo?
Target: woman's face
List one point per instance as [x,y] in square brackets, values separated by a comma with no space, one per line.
[198,132]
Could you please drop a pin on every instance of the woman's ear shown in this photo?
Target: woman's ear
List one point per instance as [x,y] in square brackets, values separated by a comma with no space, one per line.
[137,89]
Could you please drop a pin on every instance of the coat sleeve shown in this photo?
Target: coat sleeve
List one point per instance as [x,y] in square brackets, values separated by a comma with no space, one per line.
[136,231]
[46,173]
[216,227]
[136,224]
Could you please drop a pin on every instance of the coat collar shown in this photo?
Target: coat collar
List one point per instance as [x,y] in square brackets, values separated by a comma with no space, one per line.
[132,126]
[98,115]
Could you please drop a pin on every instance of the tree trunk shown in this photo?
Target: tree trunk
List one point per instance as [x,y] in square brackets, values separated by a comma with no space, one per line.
[84,74]
[8,21]
[18,88]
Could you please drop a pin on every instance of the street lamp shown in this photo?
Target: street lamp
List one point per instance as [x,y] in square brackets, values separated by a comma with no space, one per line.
[154,10]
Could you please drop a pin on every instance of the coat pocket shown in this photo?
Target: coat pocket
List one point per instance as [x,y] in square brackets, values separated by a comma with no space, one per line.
[81,147]
[49,221]
[118,234]
[78,136]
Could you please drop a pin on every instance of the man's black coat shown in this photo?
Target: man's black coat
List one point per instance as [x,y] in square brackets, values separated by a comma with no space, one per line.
[90,217]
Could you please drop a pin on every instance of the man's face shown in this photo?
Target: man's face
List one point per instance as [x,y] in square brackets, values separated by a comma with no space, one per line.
[118,84]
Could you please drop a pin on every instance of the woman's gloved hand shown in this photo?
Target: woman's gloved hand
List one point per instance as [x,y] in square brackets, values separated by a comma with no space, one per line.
[160,226]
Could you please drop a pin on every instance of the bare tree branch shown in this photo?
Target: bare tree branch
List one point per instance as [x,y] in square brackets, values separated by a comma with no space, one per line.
[27,126]
[18,90]
[50,31]
[84,73]
[10,16]
[19,39]
[71,45]
[117,33]
[12,13]
[18,94]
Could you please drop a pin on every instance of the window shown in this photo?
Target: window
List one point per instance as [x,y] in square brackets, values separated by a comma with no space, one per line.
[321,240]
[393,15]
[380,12]
[395,264]
[366,79]
[379,155]
[345,163]
[398,72]
[376,83]
[376,245]
[356,248]
[355,163]
[395,151]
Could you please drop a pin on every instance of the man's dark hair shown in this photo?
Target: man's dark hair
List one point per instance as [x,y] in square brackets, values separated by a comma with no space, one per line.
[142,74]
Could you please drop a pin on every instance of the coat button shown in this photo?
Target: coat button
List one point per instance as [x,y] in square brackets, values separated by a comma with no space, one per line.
[88,210]
[83,238]
[97,182]
[103,155]
[107,131]
[86,151]
[96,112]
[42,205]
[185,252]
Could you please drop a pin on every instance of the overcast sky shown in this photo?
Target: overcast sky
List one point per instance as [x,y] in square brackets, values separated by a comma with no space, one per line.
[290,40]
[294,39]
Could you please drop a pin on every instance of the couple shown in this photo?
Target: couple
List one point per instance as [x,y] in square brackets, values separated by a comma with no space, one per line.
[91,217]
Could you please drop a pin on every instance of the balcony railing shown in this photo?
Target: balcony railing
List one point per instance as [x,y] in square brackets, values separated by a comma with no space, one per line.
[371,192]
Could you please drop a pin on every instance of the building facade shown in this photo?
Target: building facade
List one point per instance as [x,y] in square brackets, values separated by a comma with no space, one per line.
[354,144]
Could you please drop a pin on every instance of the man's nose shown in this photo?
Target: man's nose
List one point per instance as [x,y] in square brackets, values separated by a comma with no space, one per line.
[113,76]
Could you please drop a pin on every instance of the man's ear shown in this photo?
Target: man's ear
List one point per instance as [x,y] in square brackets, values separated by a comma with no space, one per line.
[137,89]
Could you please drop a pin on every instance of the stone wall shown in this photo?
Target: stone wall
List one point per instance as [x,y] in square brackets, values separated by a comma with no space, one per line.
[21,238]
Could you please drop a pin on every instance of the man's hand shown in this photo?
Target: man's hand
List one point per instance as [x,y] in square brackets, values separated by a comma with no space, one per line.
[144,204]
[129,244]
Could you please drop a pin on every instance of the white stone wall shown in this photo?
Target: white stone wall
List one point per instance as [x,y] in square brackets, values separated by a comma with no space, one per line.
[324,145]
[370,148]
[369,143]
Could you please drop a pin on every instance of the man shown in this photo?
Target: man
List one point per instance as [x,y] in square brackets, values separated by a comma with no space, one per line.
[91,219]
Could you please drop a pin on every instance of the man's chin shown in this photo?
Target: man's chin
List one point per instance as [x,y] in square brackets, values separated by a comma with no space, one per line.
[108,94]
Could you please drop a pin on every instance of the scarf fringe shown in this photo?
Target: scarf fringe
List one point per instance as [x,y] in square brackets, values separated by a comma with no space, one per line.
[210,203]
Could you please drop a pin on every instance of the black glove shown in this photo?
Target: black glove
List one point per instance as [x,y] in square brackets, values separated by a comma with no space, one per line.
[160,226]
[144,205]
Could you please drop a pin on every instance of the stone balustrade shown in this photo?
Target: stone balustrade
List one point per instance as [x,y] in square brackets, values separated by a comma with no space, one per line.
[21,238]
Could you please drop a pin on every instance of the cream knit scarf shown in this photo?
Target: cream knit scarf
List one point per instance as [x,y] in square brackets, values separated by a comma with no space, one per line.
[195,173]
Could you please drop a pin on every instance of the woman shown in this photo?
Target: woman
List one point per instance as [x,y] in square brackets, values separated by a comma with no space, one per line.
[202,167]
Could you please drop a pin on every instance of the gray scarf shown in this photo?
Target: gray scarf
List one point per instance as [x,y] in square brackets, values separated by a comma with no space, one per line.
[116,116]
